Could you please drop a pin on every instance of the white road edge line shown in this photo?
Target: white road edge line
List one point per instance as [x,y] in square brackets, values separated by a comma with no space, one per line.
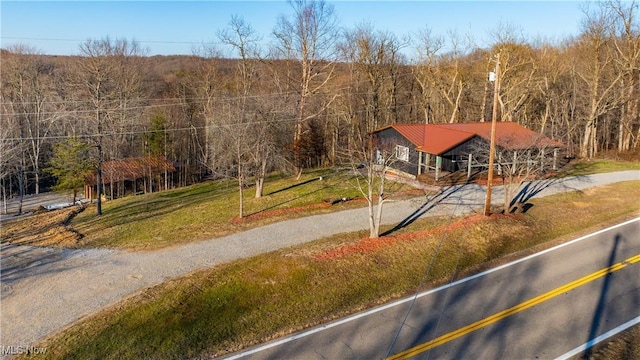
[411,298]
[598,339]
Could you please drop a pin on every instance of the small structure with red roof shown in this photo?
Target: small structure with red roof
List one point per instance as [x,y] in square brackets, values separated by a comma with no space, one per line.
[130,176]
[421,148]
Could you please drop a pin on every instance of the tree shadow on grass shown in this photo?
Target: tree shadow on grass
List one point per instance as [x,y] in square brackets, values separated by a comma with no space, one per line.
[294,186]
[149,206]
[425,207]
[301,196]
[274,206]
[532,188]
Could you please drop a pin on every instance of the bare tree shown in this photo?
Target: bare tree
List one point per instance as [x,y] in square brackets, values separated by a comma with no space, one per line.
[28,85]
[238,151]
[129,96]
[428,47]
[189,146]
[625,34]
[373,61]
[308,38]
[8,150]
[529,160]
[518,68]
[552,91]
[441,75]
[371,164]
[595,70]
[204,84]
[244,40]
[95,80]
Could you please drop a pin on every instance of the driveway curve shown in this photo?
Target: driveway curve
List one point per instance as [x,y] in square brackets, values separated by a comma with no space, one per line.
[45,289]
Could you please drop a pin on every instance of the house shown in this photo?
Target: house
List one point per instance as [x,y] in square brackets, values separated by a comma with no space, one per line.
[130,176]
[420,148]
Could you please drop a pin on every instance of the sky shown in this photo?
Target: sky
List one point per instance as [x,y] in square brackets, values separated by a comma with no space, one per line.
[176,27]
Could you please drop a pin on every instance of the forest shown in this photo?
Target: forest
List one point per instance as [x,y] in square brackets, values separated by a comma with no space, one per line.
[311,95]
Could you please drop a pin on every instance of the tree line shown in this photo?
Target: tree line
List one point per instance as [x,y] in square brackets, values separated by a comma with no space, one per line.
[312,94]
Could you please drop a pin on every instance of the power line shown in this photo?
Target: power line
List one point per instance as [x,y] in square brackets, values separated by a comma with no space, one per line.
[183,102]
[110,134]
[333,113]
[133,40]
[428,272]
[327,90]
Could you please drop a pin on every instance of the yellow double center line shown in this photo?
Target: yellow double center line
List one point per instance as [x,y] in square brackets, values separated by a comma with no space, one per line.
[513,310]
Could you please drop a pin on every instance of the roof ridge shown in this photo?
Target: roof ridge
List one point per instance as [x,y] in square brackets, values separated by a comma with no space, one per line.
[444,126]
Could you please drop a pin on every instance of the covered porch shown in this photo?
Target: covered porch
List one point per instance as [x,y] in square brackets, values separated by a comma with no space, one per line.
[131,176]
[438,165]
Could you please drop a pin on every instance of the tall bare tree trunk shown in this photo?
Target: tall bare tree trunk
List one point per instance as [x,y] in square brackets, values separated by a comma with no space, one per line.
[240,192]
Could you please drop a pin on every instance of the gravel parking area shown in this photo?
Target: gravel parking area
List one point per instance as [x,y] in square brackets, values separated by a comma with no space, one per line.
[32,202]
[45,290]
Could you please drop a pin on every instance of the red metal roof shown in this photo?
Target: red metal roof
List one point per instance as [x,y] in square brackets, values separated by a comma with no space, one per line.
[413,132]
[439,138]
[131,169]
[509,135]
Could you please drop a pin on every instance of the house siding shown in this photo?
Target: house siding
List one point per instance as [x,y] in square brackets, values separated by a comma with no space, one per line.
[456,159]
[388,139]
[471,138]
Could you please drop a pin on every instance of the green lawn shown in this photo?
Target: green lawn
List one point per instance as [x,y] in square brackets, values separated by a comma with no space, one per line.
[249,301]
[210,209]
[595,166]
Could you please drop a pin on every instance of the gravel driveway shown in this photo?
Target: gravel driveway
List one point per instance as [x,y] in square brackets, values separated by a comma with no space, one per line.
[44,290]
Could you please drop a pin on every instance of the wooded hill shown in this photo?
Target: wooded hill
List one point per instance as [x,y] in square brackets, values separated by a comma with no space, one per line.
[288,110]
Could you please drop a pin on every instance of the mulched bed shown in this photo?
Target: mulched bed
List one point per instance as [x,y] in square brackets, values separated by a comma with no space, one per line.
[368,245]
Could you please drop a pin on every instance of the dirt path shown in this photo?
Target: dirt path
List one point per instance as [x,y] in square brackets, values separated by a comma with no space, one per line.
[44,290]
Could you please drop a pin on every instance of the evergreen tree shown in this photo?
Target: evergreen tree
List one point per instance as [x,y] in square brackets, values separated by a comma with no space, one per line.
[155,138]
[69,165]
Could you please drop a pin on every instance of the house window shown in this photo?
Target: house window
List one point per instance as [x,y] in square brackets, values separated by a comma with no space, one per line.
[379,158]
[402,153]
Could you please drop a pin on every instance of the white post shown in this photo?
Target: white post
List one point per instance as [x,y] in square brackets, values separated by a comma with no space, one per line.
[438,165]
[469,165]
[555,159]
[426,169]
[419,163]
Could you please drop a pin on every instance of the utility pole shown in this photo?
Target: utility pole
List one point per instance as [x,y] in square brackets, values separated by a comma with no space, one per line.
[492,148]
[99,169]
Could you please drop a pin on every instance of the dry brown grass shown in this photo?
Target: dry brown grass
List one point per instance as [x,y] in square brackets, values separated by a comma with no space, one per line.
[195,213]
[50,229]
[264,297]
[623,346]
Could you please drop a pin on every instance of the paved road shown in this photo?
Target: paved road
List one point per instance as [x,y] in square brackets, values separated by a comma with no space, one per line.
[487,316]
[44,290]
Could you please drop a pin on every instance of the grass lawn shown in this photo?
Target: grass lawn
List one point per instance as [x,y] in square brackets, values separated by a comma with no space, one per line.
[594,166]
[193,213]
[210,209]
[622,346]
[201,211]
[249,301]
